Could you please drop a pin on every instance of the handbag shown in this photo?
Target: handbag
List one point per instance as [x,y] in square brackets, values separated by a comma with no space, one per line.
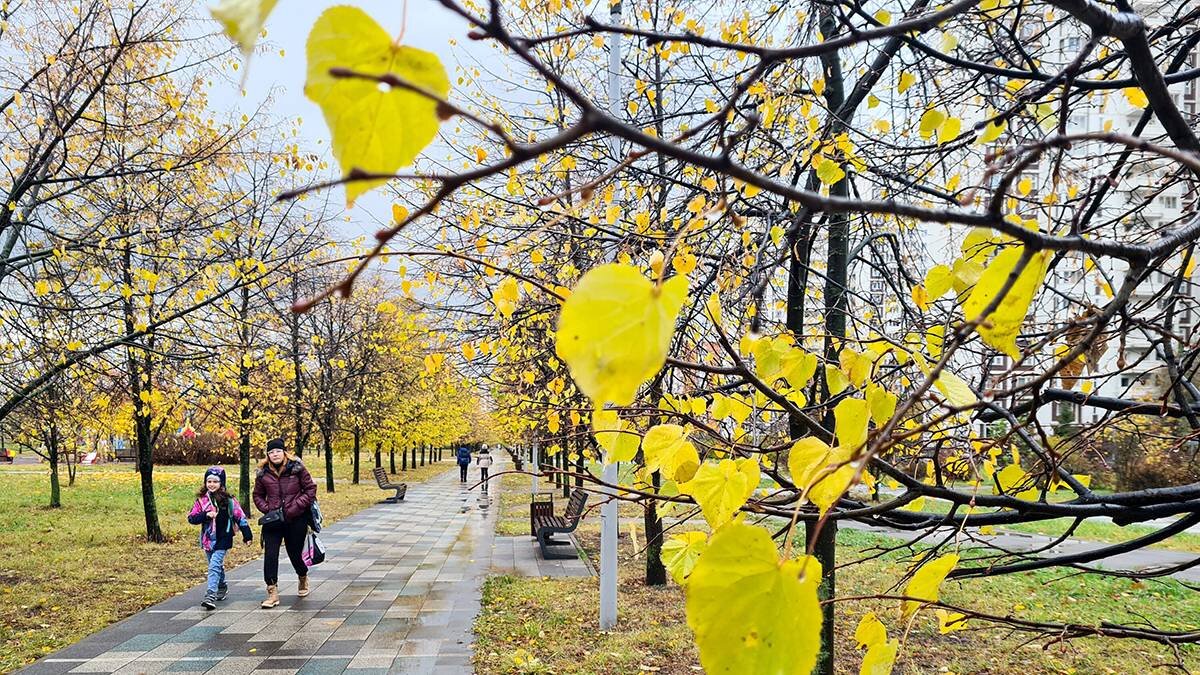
[315,517]
[314,551]
[271,517]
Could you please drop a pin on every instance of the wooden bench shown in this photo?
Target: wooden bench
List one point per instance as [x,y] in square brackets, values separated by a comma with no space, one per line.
[7,456]
[385,483]
[547,525]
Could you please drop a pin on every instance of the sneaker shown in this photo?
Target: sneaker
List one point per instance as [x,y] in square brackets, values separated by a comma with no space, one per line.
[209,602]
[222,591]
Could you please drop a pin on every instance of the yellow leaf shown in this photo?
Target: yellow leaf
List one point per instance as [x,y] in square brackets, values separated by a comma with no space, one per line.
[615,436]
[881,402]
[999,329]
[721,489]
[880,658]
[751,613]
[907,80]
[666,449]
[835,379]
[870,631]
[713,305]
[42,287]
[615,329]
[856,366]
[850,417]
[829,171]
[949,130]
[992,131]
[1024,186]
[925,583]
[920,297]
[883,16]
[680,552]
[506,295]
[242,20]
[1136,97]
[948,622]
[931,120]
[938,280]
[399,213]
[74,345]
[372,128]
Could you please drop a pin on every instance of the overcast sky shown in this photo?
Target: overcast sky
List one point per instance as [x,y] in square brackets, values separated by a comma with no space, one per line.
[427,26]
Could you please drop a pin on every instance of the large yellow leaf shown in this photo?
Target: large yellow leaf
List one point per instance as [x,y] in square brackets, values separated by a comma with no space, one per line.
[615,329]
[850,416]
[615,436]
[882,403]
[870,631]
[1000,328]
[820,471]
[926,581]
[372,128]
[799,367]
[242,20]
[751,612]
[721,489]
[667,449]
[829,486]
[680,553]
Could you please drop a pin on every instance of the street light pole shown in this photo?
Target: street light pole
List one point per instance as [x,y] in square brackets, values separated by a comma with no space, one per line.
[608,512]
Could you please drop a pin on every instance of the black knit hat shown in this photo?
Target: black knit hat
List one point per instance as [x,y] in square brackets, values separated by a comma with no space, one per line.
[275,443]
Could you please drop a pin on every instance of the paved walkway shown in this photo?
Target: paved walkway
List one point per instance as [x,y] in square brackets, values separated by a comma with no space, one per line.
[398,593]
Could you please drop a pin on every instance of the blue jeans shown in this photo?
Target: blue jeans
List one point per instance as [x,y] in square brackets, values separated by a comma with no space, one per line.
[216,569]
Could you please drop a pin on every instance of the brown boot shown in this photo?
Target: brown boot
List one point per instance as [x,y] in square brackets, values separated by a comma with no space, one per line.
[302,589]
[272,597]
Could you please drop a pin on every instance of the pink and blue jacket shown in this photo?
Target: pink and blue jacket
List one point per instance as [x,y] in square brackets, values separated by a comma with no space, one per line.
[216,534]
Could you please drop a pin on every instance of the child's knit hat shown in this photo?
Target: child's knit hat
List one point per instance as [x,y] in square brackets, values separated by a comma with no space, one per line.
[215,471]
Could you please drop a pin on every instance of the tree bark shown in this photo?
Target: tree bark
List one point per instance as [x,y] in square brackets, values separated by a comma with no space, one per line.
[357,452]
[327,447]
[52,451]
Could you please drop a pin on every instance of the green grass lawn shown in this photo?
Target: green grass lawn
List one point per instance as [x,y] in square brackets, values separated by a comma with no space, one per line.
[550,625]
[68,572]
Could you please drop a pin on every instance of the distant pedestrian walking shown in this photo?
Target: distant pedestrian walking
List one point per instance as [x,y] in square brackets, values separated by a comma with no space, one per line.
[284,492]
[217,512]
[484,460]
[463,454]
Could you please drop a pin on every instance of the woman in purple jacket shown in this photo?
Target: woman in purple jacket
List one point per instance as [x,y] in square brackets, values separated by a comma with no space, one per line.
[282,483]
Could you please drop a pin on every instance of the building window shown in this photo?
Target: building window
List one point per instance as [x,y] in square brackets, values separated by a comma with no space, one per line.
[1071,46]
[1169,201]
[878,286]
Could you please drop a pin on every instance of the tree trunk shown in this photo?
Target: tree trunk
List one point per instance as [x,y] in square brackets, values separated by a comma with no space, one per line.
[357,452]
[52,451]
[414,457]
[392,456]
[404,460]
[656,572]
[378,454]
[422,454]
[327,447]
[824,541]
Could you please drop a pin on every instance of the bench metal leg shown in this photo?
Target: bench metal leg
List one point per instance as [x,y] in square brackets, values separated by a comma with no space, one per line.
[544,542]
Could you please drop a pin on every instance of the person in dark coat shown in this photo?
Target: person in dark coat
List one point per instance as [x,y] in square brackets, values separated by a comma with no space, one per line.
[283,483]
[463,454]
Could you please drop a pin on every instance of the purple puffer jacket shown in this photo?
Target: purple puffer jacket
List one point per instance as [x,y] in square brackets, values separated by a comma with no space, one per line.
[292,489]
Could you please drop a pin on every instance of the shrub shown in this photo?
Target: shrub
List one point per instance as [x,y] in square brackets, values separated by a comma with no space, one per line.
[1148,452]
[204,448]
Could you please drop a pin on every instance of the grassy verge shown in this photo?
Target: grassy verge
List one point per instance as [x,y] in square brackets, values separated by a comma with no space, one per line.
[550,625]
[68,572]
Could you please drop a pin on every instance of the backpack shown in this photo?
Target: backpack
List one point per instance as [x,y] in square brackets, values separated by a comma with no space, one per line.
[464,456]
